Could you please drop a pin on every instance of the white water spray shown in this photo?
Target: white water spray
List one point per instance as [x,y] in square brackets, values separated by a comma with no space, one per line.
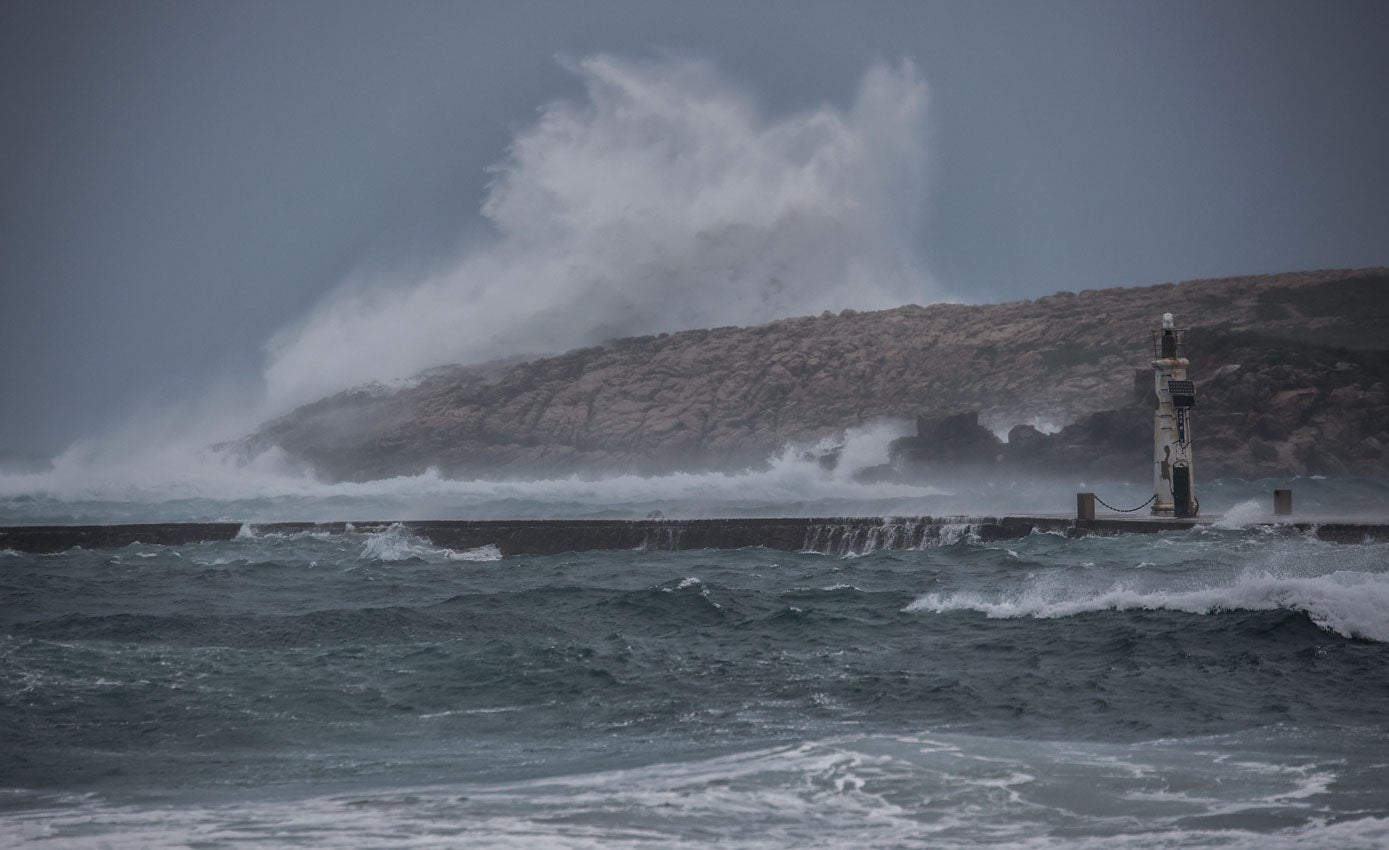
[666,199]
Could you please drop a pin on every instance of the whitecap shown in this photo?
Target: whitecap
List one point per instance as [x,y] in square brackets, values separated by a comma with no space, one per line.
[1243,515]
[1350,603]
[395,543]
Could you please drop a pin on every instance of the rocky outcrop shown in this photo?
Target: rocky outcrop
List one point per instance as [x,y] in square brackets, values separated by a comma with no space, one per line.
[1269,409]
[1292,371]
[948,443]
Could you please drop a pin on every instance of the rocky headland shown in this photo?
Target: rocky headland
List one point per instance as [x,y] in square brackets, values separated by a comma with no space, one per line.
[1292,375]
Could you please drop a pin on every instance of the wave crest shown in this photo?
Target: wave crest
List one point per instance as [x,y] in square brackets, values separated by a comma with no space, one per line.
[1351,603]
[396,543]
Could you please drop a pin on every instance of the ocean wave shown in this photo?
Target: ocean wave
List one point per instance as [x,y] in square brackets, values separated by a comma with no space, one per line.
[396,543]
[1351,603]
[1243,515]
[686,583]
[948,791]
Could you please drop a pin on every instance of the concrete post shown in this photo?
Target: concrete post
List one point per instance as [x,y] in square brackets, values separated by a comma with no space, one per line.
[1282,502]
[1085,506]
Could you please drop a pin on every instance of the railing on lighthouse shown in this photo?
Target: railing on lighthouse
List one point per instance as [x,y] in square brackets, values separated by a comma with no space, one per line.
[1174,480]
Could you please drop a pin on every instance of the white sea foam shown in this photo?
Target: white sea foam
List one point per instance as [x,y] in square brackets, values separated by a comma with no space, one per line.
[1350,603]
[396,543]
[938,792]
[482,553]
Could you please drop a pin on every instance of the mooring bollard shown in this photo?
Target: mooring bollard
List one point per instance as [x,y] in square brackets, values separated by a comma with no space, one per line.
[1282,502]
[1085,506]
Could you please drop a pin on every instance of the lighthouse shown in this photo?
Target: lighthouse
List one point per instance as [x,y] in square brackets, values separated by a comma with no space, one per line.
[1174,482]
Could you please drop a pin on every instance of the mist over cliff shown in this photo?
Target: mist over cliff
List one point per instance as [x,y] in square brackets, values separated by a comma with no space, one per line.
[1292,371]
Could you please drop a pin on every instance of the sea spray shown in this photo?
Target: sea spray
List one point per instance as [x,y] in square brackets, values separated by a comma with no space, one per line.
[207,487]
[1243,515]
[779,215]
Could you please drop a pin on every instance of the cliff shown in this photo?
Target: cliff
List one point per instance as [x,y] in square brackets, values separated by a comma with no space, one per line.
[1292,372]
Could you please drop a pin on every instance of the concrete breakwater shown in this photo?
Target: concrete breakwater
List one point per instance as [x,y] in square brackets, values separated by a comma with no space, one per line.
[831,535]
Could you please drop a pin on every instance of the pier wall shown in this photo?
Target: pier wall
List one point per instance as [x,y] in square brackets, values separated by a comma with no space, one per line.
[831,535]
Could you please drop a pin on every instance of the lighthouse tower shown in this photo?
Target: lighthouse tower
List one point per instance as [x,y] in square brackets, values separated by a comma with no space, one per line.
[1174,483]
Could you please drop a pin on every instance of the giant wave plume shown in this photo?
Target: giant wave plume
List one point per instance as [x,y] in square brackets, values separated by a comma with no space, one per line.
[664,199]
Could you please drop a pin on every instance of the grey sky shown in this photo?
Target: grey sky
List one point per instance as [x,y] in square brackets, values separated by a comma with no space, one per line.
[181,180]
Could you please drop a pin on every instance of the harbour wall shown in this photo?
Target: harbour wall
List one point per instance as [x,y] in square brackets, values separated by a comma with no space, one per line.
[831,535]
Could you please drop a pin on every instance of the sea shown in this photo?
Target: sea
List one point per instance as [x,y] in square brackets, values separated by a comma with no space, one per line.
[1222,687]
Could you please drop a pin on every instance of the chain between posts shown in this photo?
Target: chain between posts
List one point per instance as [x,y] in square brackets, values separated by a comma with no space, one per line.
[1128,510]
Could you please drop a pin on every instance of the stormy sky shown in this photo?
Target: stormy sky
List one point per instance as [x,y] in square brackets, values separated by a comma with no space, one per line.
[270,201]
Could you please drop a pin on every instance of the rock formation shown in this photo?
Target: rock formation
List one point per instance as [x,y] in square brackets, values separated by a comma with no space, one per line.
[1291,372]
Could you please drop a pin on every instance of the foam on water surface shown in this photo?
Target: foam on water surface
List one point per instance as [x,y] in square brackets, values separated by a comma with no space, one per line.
[946,791]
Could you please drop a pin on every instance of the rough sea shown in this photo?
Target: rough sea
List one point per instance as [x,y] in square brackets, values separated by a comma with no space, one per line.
[1225,687]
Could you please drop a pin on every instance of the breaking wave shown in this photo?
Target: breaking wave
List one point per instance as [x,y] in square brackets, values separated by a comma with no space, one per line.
[1351,603]
[397,544]
[1243,515]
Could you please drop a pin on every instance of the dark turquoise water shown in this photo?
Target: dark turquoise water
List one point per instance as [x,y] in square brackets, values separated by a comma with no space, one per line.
[1227,687]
